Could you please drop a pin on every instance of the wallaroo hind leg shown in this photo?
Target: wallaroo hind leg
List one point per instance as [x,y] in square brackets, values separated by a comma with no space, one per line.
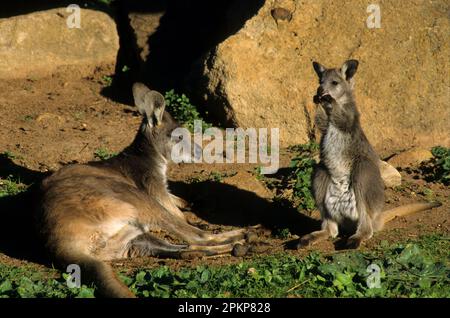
[369,196]
[149,245]
[321,179]
[364,230]
[179,202]
[194,235]
[329,229]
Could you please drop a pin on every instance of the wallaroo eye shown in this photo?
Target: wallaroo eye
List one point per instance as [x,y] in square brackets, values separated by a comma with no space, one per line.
[334,83]
[176,137]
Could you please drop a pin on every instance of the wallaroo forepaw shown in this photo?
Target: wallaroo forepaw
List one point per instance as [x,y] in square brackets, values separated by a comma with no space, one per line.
[302,243]
[251,237]
[240,250]
[347,184]
[95,212]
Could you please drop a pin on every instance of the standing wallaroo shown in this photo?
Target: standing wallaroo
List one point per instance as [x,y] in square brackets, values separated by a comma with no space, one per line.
[96,212]
[347,184]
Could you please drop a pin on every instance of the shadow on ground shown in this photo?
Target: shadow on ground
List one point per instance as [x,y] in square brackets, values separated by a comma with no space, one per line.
[219,203]
[18,237]
[214,202]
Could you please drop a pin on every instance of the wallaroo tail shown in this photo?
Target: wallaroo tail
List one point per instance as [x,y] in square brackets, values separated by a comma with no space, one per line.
[408,209]
[347,184]
[104,277]
[121,207]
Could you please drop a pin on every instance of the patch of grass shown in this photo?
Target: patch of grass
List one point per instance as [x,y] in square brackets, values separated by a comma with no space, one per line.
[10,155]
[293,186]
[103,153]
[107,80]
[24,282]
[429,194]
[29,118]
[411,269]
[437,169]
[260,176]
[11,186]
[302,168]
[183,110]
[282,233]
[214,176]
[441,164]
[418,268]
[79,115]
[105,2]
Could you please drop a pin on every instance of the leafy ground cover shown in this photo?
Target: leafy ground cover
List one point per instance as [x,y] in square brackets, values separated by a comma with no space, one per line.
[417,268]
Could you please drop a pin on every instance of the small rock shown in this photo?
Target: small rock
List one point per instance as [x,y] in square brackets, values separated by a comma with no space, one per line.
[391,177]
[281,14]
[48,118]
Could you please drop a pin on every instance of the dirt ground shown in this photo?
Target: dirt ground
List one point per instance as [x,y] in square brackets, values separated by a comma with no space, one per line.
[50,122]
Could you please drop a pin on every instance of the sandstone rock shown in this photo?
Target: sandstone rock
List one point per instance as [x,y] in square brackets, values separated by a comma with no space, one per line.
[262,76]
[410,158]
[49,117]
[37,44]
[390,175]
[248,182]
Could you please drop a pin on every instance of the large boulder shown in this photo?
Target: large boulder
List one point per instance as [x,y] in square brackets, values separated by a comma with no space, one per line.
[262,76]
[37,44]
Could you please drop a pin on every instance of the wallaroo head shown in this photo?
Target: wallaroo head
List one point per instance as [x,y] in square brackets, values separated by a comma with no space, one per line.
[337,83]
[158,127]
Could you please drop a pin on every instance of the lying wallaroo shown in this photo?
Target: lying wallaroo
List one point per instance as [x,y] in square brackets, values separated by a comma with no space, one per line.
[347,184]
[100,211]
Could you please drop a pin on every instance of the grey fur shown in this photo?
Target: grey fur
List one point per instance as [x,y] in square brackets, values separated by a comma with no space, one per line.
[347,184]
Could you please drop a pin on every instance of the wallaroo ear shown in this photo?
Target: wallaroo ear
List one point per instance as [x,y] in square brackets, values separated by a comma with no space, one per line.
[160,105]
[150,103]
[349,69]
[319,69]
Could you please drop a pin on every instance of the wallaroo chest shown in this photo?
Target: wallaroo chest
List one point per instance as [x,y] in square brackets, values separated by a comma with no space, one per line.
[340,197]
[334,153]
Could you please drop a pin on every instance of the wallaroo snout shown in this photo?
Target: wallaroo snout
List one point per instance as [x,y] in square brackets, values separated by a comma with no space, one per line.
[99,211]
[347,184]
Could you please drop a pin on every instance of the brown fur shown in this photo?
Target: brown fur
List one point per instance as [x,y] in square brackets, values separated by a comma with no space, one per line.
[118,208]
